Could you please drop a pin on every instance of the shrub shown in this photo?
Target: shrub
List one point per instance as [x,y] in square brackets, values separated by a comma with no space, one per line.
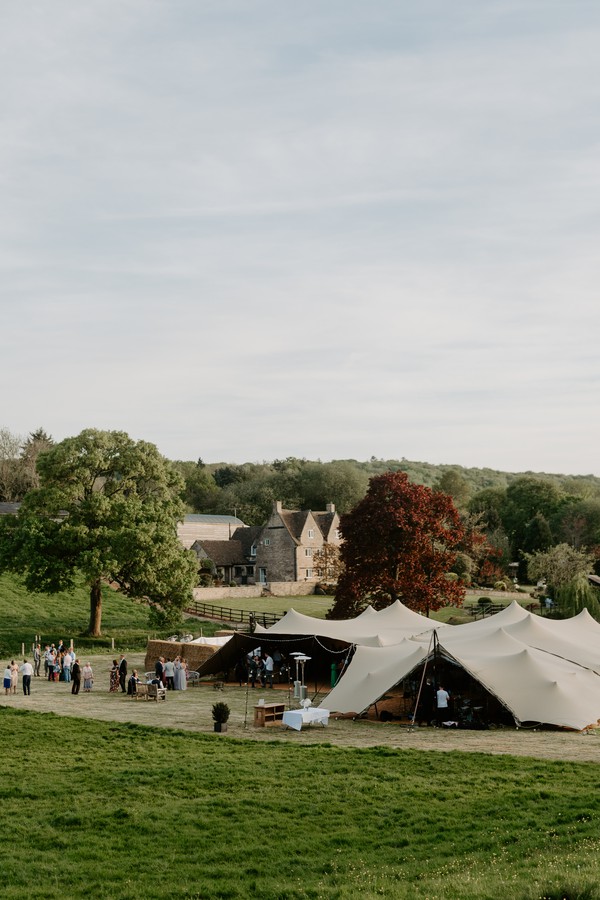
[451,576]
[500,586]
[220,712]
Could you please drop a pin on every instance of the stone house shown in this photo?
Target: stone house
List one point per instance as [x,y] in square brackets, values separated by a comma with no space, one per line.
[285,547]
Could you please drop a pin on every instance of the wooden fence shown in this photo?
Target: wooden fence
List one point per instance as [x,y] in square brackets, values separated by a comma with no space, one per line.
[226,614]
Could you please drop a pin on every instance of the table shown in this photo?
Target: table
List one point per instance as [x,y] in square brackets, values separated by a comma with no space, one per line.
[296,718]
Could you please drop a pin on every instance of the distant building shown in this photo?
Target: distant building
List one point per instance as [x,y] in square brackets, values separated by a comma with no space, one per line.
[288,541]
[211,528]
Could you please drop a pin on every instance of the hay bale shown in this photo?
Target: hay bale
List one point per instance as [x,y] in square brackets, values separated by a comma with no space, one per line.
[194,654]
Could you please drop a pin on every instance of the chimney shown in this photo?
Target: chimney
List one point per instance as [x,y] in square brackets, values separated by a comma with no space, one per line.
[330,507]
[277,506]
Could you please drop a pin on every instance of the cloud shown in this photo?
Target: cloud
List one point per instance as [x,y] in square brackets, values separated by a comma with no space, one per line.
[332,230]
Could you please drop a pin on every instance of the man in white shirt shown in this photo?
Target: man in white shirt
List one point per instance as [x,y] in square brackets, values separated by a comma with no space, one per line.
[26,671]
[442,698]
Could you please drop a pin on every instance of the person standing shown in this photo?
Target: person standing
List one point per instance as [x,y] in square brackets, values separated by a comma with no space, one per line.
[180,680]
[123,674]
[442,700]
[170,674]
[269,665]
[26,673]
[88,678]
[113,683]
[37,660]
[14,676]
[159,668]
[49,657]
[7,679]
[75,677]
[66,666]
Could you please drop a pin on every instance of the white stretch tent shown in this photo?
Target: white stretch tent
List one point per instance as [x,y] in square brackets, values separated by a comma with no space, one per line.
[541,670]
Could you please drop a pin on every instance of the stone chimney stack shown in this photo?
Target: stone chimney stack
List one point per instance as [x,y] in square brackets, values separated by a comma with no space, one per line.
[330,507]
[277,506]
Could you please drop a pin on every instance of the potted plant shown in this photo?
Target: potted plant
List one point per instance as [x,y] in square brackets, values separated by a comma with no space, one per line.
[220,714]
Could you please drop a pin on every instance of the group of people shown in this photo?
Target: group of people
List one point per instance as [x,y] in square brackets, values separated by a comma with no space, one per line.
[11,677]
[62,664]
[58,661]
[117,679]
[171,673]
[256,667]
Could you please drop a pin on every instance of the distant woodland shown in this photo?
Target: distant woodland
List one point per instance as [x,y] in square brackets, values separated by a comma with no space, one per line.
[518,512]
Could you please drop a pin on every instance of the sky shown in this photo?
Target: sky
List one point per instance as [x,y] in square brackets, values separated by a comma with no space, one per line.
[329,229]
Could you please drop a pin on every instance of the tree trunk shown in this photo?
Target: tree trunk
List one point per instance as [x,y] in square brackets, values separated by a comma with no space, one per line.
[95,609]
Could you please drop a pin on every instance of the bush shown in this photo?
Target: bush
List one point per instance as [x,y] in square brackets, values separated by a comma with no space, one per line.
[500,586]
[484,601]
[220,712]
[451,576]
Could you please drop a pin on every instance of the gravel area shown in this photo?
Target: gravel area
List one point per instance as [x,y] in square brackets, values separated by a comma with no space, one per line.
[191,711]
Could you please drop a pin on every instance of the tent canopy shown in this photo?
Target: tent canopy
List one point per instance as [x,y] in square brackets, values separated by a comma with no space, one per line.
[540,670]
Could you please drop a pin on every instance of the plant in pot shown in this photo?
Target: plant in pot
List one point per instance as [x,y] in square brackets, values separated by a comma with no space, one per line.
[220,714]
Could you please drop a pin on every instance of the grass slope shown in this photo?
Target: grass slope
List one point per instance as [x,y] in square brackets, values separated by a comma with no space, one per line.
[102,810]
[66,615]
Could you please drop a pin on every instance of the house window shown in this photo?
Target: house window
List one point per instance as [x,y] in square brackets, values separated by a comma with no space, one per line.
[309,573]
[311,532]
[308,551]
[267,541]
[253,550]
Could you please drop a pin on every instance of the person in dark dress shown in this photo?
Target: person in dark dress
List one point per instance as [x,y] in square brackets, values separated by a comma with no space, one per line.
[123,674]
[75,677]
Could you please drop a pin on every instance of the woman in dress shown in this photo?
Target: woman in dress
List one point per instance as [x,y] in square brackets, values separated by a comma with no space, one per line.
[14,676]
[88,678]
[180,674]
[114,678]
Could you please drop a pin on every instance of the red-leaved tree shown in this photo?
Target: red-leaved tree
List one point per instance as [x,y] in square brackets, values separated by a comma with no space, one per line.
[399,543]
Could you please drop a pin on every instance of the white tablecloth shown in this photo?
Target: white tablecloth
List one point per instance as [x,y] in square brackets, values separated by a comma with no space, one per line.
[296,718]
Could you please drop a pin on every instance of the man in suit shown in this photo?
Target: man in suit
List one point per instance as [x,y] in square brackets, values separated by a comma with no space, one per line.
[123,674]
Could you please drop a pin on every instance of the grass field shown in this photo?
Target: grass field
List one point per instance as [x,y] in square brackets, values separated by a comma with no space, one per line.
[106,809]
[110,810]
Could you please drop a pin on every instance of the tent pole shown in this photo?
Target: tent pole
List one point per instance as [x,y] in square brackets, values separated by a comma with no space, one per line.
[423,677]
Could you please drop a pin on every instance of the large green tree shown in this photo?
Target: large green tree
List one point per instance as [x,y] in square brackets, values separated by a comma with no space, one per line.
[106,511]
[399,542]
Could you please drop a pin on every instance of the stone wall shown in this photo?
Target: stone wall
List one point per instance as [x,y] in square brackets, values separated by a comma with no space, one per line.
[277,588]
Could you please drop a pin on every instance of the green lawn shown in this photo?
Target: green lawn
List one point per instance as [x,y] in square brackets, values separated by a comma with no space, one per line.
[109,810]
[66,615]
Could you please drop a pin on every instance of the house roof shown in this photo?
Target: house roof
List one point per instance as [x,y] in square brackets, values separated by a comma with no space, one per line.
[212,520]
[247,536]
[294,520]
[324,520]
[222,553]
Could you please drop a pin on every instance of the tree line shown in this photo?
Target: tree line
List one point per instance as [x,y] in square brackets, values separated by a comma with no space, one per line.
[497,519]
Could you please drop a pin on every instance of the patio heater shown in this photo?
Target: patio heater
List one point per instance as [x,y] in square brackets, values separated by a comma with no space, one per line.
[302,660]
[297,683]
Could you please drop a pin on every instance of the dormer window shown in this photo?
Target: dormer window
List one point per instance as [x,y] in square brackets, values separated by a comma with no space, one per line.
[253,550]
